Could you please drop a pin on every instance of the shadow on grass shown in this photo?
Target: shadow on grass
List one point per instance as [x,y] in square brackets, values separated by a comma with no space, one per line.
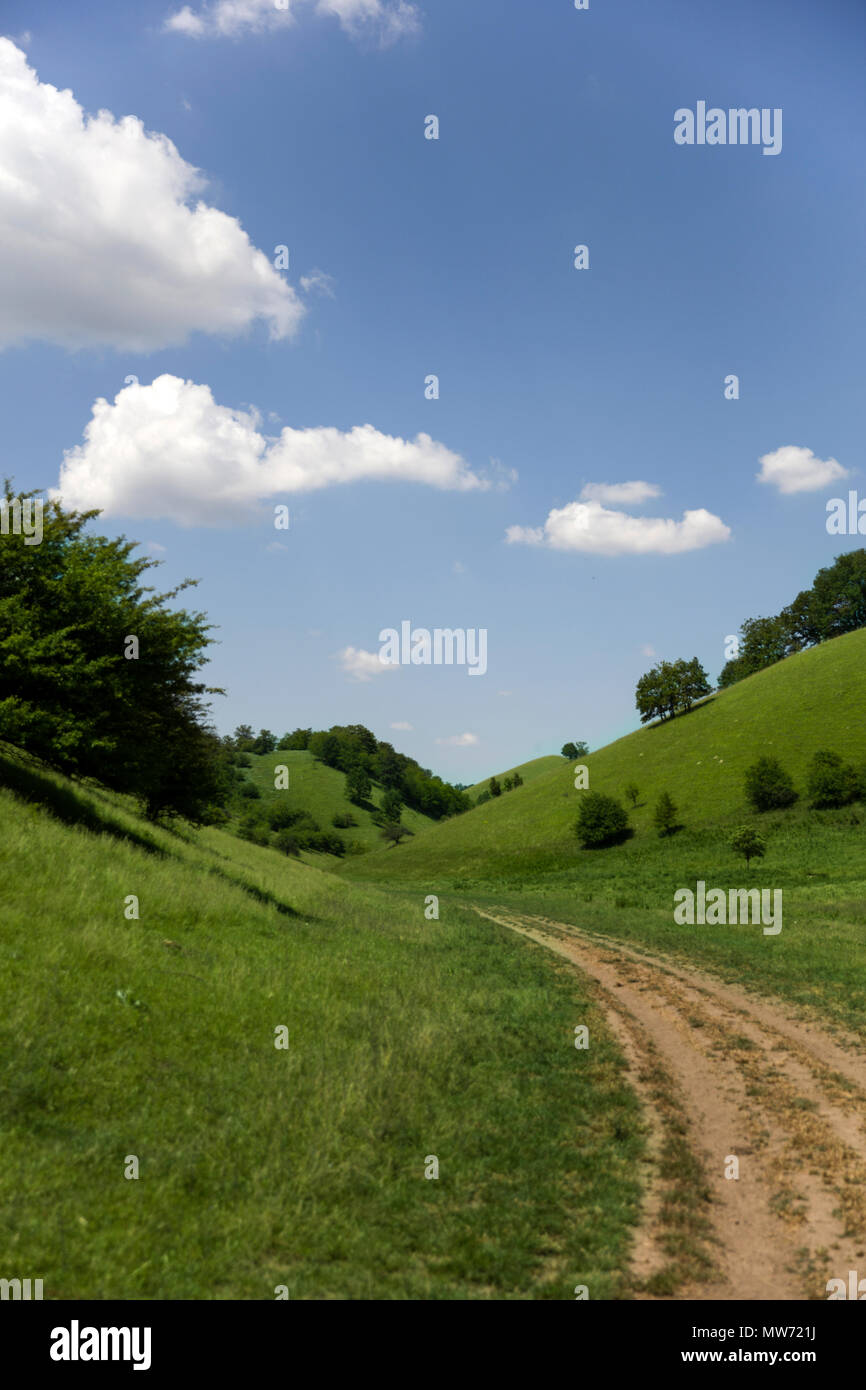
[63,803]
[611,840]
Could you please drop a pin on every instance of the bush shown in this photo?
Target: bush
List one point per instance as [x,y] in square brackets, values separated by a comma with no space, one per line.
[832,782]
[249,791]
[343,819]
[601,820]
[281,816]
[768,785]
[665,815]
[287,842]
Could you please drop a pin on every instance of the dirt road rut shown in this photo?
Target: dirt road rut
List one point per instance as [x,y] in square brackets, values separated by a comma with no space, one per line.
[730,1076]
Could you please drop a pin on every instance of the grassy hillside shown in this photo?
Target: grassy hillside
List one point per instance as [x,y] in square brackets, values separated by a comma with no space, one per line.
[528,771]
[320,790]
[521,849]
[814,700]
[154,1037]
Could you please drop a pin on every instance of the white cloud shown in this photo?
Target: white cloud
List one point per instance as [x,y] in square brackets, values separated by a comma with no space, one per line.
[402,726]
[648,649]
[169,450]
[627,494]
[361,665]
[156,547]
[106,240]
[458,567]
[318,282]
[593,529]
[793,469]
[459,741]
[386,20]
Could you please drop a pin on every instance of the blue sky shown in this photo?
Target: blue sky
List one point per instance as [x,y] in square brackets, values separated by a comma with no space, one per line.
[409,257]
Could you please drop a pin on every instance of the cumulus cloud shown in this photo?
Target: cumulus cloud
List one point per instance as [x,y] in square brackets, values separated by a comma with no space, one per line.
[385,20]
[627,494]
[361,665]
[402,726]
[106,239]
[169,450]
[595,530]
[458,741]
[793,469]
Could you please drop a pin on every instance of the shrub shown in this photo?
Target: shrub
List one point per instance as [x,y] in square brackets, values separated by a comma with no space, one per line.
[748,842]
[288,842]
[601,820]
[281,816]
[768,785]
[343,819]
[632,792]
[832,782]
[665,815]
[249,791]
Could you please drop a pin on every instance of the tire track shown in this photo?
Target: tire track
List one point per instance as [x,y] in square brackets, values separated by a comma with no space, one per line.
[744,1080]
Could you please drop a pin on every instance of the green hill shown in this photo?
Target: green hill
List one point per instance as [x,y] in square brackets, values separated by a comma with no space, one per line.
[528,771]
[321,790]
[811,701]
[520,849]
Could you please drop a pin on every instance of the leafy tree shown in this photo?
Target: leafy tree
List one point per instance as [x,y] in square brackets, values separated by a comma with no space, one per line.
[749,843]
[768,785]
[601,820]
[74,693]
[574,750]
[392,805]
[656,695]
[665,815]
[517,780]
[249,791]
[692,683]
[288,842]
[394,833]
[482,797]
[508,783]
[325,747]
[358,785]
[244,738]
[632,792]
[342,820]
[493,787]
[832,782]
[296,741]
[265,743]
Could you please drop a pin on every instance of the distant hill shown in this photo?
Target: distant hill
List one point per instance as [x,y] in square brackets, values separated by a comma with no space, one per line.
[321,791]
[528,771]
[813,700]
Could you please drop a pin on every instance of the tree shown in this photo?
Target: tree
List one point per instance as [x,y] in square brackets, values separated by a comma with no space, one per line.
[494,787]
[601,820]
[692,683]
[656,694]
[517,780]
[358,785]
[832,782]
[748,842]
[394,833]
[97,672]
[508,783]
[632,792]
[482,797]
[392,805]
[768,785]
[574,750]
[265,743]
[665,815]
[244,738]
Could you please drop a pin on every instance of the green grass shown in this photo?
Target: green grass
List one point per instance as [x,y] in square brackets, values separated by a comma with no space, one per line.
[302,1167]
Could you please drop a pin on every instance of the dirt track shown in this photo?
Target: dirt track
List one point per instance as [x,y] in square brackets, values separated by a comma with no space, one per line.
[750,1080]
